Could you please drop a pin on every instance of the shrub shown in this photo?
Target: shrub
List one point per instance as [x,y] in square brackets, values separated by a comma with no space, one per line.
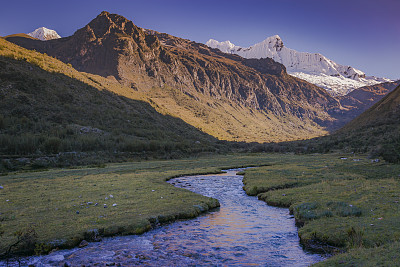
[355,238]
[52,145]
[24,244]
[2,122]
[391,153]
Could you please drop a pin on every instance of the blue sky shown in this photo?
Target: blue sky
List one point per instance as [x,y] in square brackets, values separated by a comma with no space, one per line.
[362,33]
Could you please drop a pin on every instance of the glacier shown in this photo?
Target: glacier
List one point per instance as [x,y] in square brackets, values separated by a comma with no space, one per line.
[313,67]
[44,34]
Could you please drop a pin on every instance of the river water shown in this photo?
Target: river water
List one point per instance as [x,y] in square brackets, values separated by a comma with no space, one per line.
[243,231]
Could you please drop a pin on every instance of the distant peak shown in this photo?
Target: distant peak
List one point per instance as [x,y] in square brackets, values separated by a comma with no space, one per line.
[274,41]
[226,46]
[44,34]
[227,42]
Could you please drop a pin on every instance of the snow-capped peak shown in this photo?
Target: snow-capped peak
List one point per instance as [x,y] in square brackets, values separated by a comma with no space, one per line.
[312,67]
[223,46]
[273,42]
[44,34]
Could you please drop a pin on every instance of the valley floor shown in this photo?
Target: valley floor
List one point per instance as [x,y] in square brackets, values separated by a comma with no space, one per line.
[61,207]
[343,203]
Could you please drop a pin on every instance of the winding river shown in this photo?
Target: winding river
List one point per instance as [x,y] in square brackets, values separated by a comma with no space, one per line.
[243,231]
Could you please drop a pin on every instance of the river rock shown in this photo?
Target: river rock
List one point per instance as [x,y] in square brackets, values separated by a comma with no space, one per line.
[84,243]
[55,258]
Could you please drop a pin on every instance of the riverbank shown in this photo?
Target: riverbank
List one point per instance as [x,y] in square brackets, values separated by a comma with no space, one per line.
[42,211]
[342,203]
[243,231]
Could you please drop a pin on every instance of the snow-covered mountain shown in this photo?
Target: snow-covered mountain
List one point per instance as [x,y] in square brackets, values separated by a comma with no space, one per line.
[312,67]
[44,34]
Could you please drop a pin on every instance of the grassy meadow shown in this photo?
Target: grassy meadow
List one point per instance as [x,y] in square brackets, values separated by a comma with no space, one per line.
[345,205]
[57,208]
[341,203]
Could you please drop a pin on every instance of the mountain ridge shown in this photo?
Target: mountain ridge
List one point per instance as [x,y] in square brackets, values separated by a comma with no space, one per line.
[224,95]
[312,67]
[208,83]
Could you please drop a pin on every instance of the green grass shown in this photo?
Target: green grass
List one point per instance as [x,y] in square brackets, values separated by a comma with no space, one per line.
[340,204]
[48,201]
[386,255]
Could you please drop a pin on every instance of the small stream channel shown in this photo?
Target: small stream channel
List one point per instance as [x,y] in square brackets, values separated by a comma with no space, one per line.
[243,231]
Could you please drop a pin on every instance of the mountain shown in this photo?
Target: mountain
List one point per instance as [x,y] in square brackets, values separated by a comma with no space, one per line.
[44,34]
[224,95]
[312,67]
[53,115]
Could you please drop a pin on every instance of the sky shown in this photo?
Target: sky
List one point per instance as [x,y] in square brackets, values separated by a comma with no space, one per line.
[364,34]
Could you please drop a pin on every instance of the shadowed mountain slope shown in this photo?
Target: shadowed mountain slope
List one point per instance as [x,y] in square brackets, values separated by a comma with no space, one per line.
[50,110]
[376,131]
[378,128]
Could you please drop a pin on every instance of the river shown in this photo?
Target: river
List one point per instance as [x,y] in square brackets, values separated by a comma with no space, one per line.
[243,231]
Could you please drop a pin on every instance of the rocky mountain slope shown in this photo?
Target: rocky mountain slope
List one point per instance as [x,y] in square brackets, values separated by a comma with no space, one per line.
[44,34]
[312,67]
[224,95]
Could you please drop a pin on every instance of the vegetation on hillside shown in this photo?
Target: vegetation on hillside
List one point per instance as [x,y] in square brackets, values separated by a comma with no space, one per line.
[62,117]
[376,132]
